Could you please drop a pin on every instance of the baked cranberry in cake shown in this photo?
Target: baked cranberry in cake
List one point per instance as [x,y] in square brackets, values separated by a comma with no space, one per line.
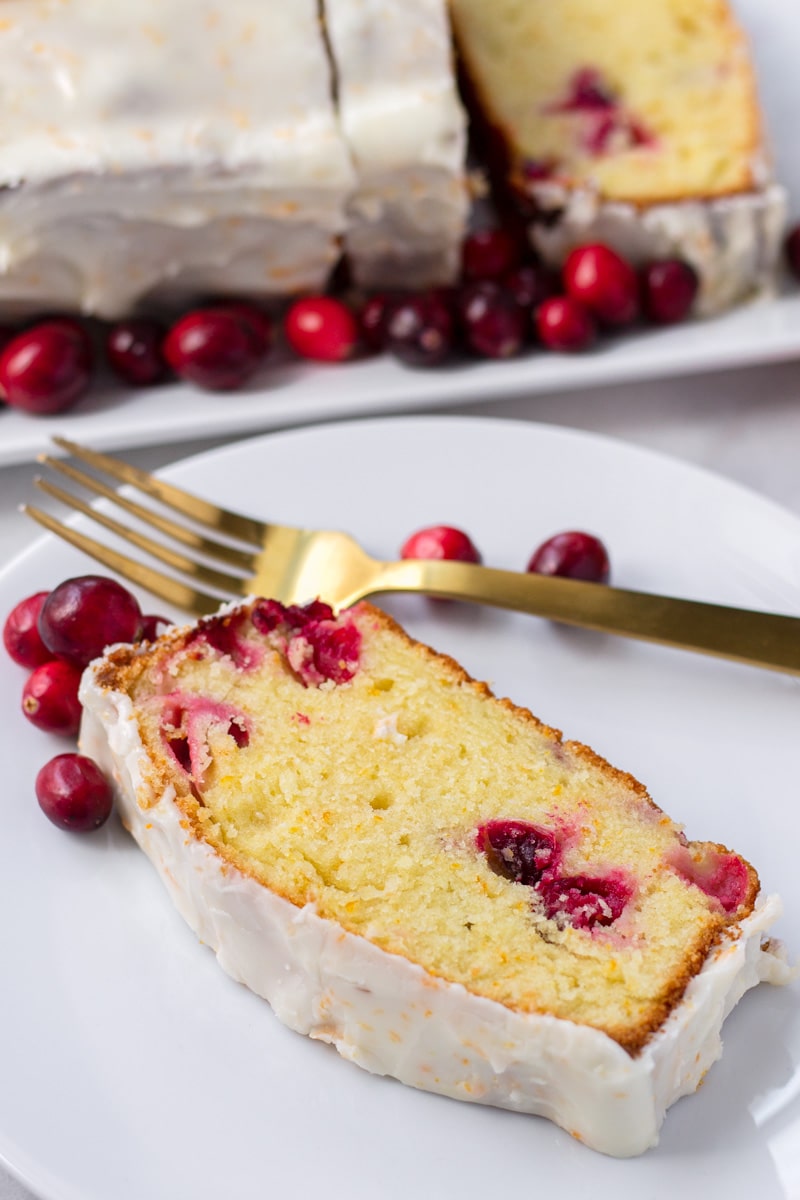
[519,850]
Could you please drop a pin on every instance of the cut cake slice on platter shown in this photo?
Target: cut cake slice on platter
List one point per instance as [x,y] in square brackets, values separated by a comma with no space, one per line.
[637,125]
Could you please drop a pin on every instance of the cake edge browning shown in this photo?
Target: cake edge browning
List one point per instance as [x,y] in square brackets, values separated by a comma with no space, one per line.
[336,986]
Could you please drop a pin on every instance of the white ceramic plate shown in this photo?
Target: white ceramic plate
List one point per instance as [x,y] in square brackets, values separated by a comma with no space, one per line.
[295,394]
[132,1067]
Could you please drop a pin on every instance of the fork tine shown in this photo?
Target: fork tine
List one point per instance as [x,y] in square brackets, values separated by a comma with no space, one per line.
[245,560]
[179,594]
[247,529]
[230,584]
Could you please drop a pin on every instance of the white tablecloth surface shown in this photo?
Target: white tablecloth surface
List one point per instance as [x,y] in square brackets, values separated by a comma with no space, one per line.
[743,424]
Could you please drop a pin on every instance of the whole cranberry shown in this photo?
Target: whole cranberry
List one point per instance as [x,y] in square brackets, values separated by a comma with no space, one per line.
[792,249]
[47,368]
[604,282]
[494,325]
[530,284]
[82,616]
[489,253]
[74,793]
[669,288]
[372,320]
[21,635]
[442,542]
[213,348]
[50,698]
[564,324]
[255,319]
[574,555]
[321,328]
[150,626]
[134,349]
[420,330]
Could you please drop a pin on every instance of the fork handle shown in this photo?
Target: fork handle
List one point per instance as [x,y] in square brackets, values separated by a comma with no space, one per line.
[760,639]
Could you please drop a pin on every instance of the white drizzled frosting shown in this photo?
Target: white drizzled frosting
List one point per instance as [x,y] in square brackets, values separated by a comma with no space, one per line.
[160,146]
[406,130]
[389,1016]
[733,242]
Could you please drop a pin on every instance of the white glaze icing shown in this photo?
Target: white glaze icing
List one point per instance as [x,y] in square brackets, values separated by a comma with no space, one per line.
[406,130]
[389,1016]
[165,148]
[732,242]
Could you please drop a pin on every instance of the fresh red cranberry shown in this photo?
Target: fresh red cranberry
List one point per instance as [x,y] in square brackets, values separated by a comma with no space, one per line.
[441,542]
[322,328]
[134,351]
[74,793]
[21,635]
[489,253]
[494,325]
[420,330]
[150,626]
[50,698]
[792,248]
[564,324]
[213,348]
[373,319]
[82,616]
[47,368]
[573,555]
[255,319]
[519,850]
[669,288]
[583,901]
[604,282]
[530,284]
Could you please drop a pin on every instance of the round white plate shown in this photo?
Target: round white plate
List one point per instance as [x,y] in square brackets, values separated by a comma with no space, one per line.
[132,1067]
[112,416]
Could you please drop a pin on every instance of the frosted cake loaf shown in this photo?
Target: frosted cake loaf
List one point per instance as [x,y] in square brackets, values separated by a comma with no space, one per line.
[165,149]
[406,131]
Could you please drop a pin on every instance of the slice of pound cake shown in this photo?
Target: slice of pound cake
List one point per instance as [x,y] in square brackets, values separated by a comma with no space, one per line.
[425,876]
[633,124]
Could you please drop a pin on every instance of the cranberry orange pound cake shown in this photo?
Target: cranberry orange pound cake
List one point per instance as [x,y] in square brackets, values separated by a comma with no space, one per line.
[166,149]
[406,131]
[637,125]
[425,876]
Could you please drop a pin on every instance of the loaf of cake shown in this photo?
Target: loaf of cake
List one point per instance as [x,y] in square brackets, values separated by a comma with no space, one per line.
[166,150]
[637,125]
[425,876]
[406,131]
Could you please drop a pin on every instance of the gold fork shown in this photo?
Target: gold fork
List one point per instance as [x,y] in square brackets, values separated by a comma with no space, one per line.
[233,555]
